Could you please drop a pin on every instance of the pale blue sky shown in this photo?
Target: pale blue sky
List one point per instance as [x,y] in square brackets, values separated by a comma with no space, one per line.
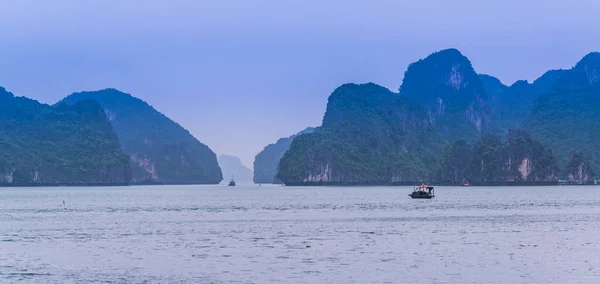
[241,74]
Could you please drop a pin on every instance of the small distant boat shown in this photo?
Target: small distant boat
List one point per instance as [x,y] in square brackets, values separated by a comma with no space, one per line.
[466,183]
[231,182]
[423,192]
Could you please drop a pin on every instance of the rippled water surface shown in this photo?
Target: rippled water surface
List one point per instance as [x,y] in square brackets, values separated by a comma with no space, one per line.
[273,234]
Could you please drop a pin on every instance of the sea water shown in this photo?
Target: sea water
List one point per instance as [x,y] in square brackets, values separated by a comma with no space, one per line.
[277,234]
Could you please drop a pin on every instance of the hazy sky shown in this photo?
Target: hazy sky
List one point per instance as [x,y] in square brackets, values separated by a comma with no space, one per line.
[241,74]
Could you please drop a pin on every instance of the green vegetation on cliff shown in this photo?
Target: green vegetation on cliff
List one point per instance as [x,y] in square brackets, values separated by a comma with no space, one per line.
[567,118]
[160,150]
[62,145]
[456,164]
[369,135]
[511,105]
[266,162]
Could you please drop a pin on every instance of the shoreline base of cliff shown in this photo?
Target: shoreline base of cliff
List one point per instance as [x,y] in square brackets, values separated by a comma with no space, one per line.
[349,184]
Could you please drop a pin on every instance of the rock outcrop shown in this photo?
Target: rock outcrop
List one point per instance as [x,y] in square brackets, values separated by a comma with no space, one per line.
[452,94]
[159,149]
[369,135]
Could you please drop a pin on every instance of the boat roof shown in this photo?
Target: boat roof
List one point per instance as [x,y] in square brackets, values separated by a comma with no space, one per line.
[425,186]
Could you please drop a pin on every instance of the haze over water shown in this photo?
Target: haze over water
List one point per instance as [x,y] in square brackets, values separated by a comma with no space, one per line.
[274,234]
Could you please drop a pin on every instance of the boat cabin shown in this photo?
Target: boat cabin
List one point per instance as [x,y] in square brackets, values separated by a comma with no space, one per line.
[423,191]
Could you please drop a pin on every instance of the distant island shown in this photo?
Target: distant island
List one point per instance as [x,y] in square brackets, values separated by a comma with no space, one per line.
[232,167]
[450,125]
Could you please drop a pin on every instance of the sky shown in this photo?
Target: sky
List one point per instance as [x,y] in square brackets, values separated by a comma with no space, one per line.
[241,74]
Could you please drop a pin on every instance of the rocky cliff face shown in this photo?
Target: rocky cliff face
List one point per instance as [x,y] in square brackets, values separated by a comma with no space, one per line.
[62,145]
[579,169]
[518,160]
[266,162]
[159,149]
[369,135]
[452,94]
[524,159]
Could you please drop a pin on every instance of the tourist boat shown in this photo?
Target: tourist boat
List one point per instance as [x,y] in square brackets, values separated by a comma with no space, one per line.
[232,182]
[423,191]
